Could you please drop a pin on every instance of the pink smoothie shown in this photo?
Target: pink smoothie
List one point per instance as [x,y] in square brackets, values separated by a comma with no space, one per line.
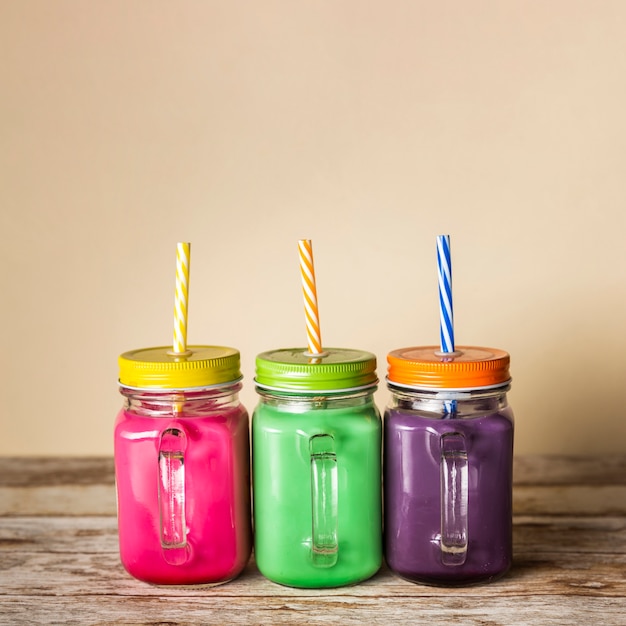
[215,534]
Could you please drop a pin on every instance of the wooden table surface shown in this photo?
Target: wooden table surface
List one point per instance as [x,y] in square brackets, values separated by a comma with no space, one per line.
[59,562]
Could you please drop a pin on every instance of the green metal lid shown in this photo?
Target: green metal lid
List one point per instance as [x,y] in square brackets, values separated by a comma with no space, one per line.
[295,370]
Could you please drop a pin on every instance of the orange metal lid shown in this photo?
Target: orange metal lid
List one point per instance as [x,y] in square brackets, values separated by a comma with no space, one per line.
[467,367]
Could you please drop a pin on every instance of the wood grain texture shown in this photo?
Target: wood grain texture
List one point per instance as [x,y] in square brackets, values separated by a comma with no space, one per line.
[343,610]
[59,560]
[542,485]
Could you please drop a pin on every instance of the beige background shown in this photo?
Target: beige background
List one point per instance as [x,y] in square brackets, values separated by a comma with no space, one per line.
[369,127]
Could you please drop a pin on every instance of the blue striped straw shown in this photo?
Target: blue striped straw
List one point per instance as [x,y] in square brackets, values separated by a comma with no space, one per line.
[446,319]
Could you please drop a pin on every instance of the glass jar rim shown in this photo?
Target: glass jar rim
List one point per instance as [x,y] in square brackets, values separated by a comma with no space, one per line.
[441,392]
[167,390]
[311,393]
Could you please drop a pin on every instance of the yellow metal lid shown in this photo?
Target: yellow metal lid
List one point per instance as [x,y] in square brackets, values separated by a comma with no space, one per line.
[159,368]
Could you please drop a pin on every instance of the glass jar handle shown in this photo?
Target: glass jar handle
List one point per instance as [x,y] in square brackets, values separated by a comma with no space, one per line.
[173,526]
[454,495]
[324,550]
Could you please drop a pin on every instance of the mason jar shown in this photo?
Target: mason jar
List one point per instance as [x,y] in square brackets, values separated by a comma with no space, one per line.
[316,450]
[448,451]
[182,466]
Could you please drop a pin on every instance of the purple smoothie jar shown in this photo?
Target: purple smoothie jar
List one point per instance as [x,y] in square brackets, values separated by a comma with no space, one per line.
[448,464]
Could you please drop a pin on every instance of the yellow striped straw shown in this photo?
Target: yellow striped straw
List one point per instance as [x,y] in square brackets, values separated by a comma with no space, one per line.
[183,255]
[309,292]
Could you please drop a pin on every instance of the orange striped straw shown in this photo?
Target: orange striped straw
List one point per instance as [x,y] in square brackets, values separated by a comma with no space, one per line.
[309,292]
[183,255]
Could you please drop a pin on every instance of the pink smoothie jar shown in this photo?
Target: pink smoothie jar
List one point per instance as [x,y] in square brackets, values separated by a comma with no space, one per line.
[182,466]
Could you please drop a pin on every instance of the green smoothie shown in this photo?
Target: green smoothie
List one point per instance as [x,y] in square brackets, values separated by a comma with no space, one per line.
[316,437]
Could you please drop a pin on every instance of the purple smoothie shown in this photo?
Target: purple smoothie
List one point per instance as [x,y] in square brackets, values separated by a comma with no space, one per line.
[413,485]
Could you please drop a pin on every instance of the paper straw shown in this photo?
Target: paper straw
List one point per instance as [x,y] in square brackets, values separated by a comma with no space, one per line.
[183,255]
[446,319]
[309,292]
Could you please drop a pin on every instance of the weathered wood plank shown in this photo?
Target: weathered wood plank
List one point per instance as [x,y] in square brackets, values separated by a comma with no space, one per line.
[98,535]
[93,535]
[590,535]
[535,572]
[57,486]
[569,500]
[100,500]
[580,486]
[59,560]
[54,471]
[570,470]
[79,575]
[562,610]
[528,470]
[58,500]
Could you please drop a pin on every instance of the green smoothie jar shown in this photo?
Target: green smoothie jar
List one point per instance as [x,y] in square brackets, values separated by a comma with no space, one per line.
[316,453]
